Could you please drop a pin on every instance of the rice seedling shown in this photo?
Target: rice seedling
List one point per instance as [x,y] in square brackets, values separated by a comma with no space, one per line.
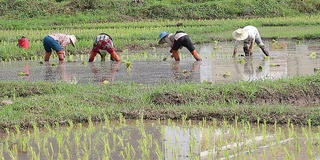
[84,63]
[313,55]
[274,65]
[227,74]
[241,61]
[128,65]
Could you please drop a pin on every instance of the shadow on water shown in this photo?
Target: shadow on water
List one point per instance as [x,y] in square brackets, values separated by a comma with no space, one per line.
[218,66]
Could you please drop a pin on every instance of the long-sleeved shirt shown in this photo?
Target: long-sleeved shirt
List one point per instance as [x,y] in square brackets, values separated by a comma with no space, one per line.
[63,39]
[103,42]
[171,37]
[253,35]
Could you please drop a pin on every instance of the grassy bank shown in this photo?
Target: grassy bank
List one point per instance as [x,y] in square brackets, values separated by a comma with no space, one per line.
[293,99]
[154,9]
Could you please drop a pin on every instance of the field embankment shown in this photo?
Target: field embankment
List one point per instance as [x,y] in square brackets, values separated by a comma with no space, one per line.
[270,101]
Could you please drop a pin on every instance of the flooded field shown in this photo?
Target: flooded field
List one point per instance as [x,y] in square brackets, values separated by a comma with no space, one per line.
[184,140]
[218,66]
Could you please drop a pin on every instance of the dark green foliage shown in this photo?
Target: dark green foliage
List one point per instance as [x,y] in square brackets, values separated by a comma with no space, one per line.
[119,10]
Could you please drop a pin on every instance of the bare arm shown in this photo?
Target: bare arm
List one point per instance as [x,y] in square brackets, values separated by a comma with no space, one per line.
[234,52]
[251,46]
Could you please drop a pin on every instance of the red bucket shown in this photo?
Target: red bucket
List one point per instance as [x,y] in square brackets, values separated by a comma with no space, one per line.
[23,42]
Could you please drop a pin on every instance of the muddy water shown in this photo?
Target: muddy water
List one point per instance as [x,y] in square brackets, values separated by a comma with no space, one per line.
[152,140]
[218,66]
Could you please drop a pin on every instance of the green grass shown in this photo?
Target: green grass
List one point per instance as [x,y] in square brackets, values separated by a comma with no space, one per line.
[272,101]
[145,34]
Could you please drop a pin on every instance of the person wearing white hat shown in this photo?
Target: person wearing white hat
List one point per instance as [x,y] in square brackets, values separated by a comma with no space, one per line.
[57,42]
[248,36]
[176,41]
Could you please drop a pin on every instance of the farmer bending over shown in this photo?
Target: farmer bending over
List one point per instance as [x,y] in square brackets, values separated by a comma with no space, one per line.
[248,35]
[57,42]
[176,41]
[103,42]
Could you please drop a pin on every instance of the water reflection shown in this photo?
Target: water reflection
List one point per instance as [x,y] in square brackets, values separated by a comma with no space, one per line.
[255,69]
[186,74]
[181,142]
[152,140]
[58,72]
[287,59]
[102,74]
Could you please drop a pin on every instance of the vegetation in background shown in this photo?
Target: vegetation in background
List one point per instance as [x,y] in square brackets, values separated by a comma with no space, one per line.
[137,26]
[122,10]
[144,34]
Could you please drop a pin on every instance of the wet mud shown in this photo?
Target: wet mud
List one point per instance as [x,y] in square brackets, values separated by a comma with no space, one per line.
[218,66]
[287,59]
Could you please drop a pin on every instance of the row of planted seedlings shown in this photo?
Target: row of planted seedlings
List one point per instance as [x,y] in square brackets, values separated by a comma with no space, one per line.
[137,35]
[162,139]
[124,40]
[87,23]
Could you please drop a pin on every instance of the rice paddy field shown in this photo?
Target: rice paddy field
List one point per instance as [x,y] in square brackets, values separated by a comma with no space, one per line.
[185,139]
[224,117]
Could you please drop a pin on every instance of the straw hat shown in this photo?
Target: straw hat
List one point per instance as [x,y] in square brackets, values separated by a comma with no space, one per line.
[240,34]
[162,36]
[73,39]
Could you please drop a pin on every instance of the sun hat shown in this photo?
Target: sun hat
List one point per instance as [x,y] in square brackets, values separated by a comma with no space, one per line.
[73,39]
[240,34]
[161,36]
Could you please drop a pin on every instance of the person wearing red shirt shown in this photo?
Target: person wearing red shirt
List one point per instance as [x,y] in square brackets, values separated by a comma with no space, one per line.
[103,42]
